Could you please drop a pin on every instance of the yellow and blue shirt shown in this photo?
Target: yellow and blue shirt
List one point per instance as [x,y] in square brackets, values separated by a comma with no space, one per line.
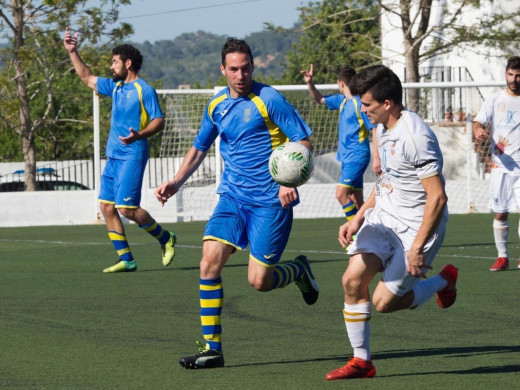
[250,127]
[354,126]
[134,105]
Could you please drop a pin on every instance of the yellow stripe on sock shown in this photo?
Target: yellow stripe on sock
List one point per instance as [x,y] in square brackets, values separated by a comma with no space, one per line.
[204,287]
[210,303]
[210,320]
[116,236]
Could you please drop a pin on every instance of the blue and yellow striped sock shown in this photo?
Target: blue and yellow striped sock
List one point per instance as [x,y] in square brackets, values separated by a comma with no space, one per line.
[157,231]
[286,273]
[121,244]
[350,210]
[211,301]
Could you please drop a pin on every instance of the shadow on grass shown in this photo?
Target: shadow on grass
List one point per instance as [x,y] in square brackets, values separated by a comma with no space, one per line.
[454,352]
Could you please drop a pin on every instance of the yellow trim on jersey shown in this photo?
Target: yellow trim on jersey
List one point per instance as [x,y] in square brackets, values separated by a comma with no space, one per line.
[213,104]
[342,105]
[145,119]
[278,137]
[211,303]
[363,132]
[213,238]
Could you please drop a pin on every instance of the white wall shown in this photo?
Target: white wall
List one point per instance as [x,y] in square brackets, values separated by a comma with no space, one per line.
[482,68]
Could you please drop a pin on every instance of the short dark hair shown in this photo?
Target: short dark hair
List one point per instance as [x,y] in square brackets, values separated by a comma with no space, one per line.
[513,63]
[234,45]
[345,74]
[380,81]
[128,52]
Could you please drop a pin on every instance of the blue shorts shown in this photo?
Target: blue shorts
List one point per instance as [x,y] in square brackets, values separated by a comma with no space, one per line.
[265,229]
[352,175]
[121,183]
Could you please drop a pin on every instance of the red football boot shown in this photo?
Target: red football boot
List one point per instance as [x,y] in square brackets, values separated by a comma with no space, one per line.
[446,297]
[501,264]
[355,368]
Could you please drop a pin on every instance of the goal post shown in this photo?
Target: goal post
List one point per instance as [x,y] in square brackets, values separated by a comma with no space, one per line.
[466,164]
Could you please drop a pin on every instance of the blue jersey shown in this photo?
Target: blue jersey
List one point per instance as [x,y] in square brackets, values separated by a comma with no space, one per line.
[250,127]
[134,105]
[353,125]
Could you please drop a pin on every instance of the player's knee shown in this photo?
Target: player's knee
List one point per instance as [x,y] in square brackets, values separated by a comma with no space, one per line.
[352,285]
[259,283]
[127,213]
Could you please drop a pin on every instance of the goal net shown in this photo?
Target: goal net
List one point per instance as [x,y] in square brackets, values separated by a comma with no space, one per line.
[466,164]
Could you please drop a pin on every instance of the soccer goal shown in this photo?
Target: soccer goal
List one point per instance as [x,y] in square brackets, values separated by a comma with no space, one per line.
[466,163]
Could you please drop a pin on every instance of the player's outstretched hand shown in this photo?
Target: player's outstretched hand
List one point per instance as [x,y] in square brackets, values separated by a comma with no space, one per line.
[347,230]
[480,133]
[134,136]
[308,74]
[70,41]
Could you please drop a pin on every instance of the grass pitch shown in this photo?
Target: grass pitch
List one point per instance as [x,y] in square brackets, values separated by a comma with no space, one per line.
[65,325]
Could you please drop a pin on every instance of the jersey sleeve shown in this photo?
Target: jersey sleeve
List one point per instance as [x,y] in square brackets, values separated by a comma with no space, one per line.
[287,118]
[151,103]
[207,134]
[333,102]
[105,86]
[422,152]
[486,112]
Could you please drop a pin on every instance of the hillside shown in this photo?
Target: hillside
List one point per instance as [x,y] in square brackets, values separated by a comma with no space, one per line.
[194,58]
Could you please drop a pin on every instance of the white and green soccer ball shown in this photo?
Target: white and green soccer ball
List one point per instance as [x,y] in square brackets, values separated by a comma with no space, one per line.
[291,164]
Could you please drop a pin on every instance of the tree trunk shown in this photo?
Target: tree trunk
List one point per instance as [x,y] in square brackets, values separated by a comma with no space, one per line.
[412,76]
[29,149]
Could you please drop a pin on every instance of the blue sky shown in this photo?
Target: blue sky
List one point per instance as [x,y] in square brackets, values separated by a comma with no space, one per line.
[155,20]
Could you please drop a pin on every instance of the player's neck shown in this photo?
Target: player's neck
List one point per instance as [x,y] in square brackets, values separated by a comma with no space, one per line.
[510,92]
[130,77]
[395,115]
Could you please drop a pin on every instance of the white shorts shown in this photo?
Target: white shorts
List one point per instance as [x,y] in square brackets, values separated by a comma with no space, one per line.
[504,191]
[389,239]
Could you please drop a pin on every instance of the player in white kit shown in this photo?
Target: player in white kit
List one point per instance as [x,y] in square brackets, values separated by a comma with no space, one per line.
[501,113]
[400,227]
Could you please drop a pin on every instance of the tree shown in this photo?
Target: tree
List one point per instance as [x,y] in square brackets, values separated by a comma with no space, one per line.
[35,63]
[334,34]
[423,39]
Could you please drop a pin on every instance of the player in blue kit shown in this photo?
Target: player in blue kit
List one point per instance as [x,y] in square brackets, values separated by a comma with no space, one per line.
[136,115]
[353,146]
[251,119]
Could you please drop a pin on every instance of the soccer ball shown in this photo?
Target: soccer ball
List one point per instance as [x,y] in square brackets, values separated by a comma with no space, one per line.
[291,164]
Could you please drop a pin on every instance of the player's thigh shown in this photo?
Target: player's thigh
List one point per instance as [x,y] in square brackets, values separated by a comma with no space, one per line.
[214,256]
[128,183]
[502,192]
[268,231]
[107,188]
[227,224]
[361,269]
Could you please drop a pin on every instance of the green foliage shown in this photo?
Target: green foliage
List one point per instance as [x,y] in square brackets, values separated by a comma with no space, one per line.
[194,58]
[59,107]
[334,34]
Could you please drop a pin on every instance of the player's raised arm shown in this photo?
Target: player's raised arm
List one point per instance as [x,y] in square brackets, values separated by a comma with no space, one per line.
[71,44]
[315,94]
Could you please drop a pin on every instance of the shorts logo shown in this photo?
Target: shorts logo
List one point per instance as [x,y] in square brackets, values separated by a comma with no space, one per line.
[267,257]
[247,114]
[127,199]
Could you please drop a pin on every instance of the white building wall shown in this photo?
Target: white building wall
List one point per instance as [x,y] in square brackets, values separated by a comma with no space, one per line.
[482,68]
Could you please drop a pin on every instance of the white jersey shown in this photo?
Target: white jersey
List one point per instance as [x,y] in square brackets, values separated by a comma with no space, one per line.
[409,152]
[502,112]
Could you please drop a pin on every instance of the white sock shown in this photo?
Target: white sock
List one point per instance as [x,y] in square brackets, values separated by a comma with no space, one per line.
[357,321]
[501,231]
[425,289]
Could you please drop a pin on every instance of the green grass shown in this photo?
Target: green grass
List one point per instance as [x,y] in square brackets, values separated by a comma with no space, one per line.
[65,325]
